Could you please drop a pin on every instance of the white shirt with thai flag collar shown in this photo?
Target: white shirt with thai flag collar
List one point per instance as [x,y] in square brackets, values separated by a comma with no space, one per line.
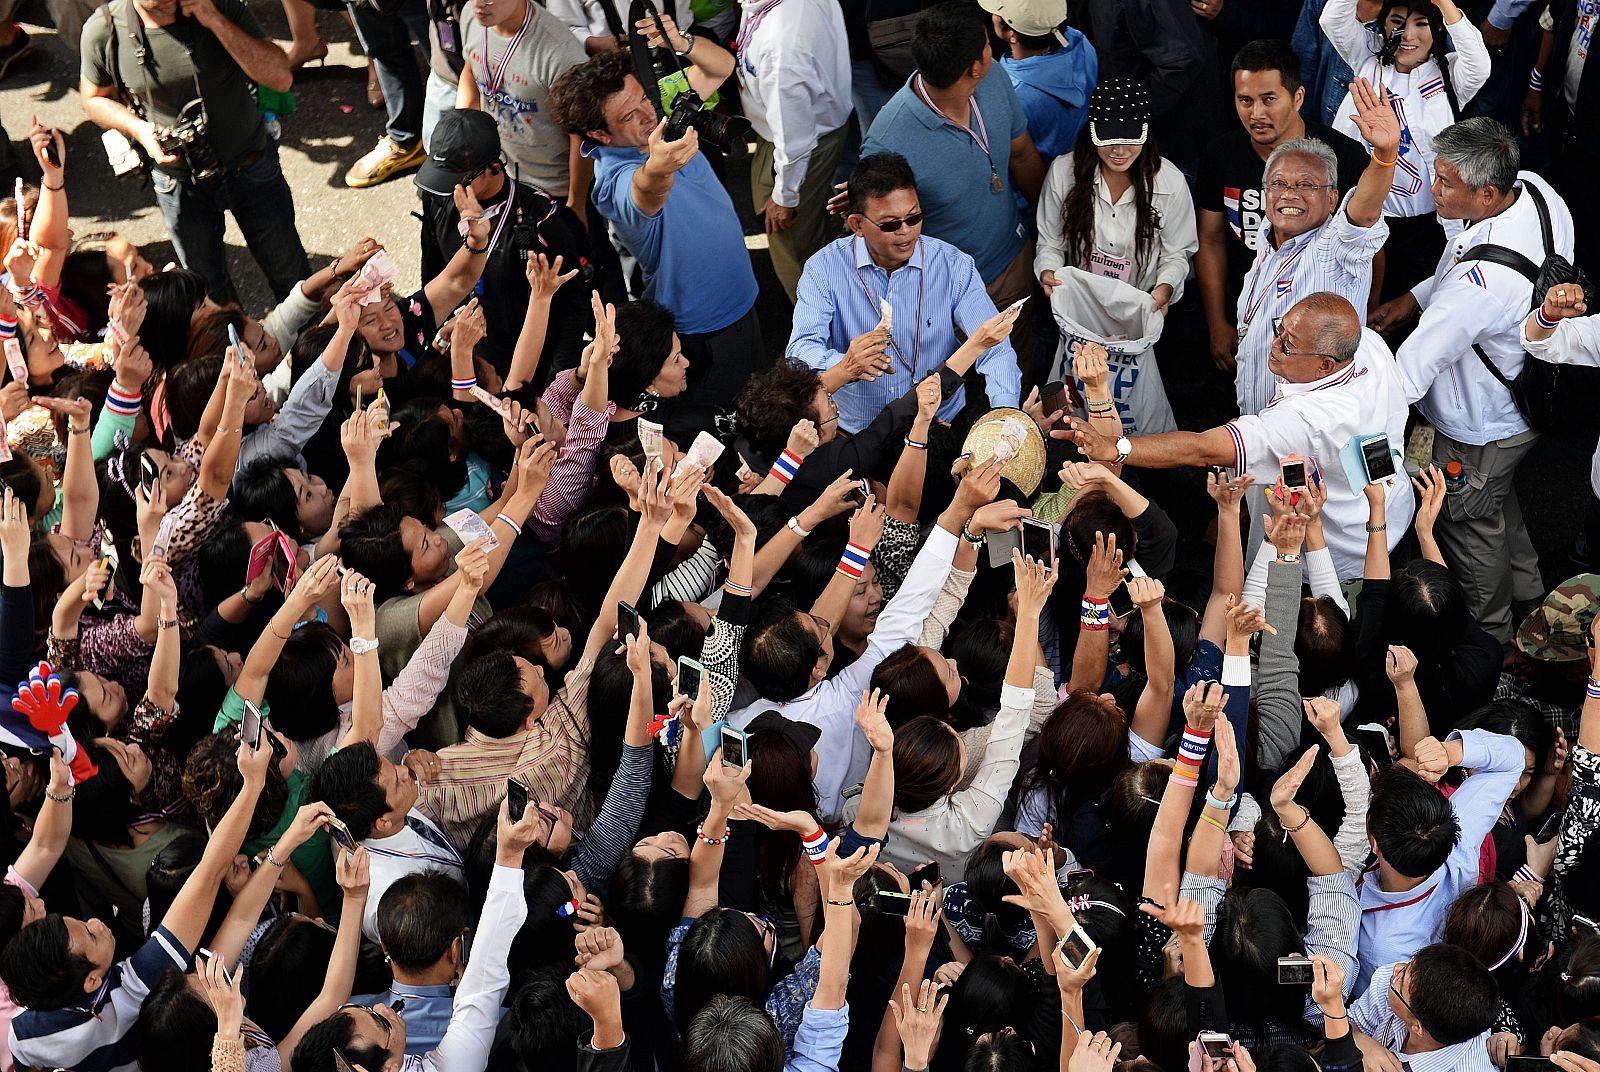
[1318,419]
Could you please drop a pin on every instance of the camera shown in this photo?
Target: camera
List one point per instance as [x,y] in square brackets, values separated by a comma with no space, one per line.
[187,140]
[688,110]
[726,132]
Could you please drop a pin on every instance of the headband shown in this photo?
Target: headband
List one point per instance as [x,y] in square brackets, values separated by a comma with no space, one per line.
[1082,902]
[117,466]
[1522,938]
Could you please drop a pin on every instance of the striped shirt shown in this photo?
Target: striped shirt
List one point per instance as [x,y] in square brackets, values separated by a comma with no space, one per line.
[99,1036]
[1336,257]
[1374,1014]
[572,475]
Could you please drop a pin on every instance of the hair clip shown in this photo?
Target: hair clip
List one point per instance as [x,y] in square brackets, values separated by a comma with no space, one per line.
[567,909]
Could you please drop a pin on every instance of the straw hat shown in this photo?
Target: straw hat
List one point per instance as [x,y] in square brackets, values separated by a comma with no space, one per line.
[1021,437]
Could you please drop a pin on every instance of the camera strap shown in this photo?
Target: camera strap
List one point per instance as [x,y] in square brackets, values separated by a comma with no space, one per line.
[141,52]
[495,73]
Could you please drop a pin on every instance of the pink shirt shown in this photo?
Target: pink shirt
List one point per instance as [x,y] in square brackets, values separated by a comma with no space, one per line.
[8,1007]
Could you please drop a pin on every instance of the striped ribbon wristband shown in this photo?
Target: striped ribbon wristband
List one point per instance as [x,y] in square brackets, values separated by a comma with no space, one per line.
[1192,752]
[733,588]
[512,525]
[914,445]
[786,466]
[816,845]
[1592,689]
[123,403]
[8,327]
[1525,873]
[1536,81]
[853,563]
[1547,324]
[463,385]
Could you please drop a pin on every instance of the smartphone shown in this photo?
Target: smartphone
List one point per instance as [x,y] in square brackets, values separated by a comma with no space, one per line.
[1378,458]
[1053,396]
[51,153]
[227,976]
[689,674]
[341,833]
[1000,545]
[1215,1045]
[1529,1064]
[238,347]
[892,903]
[1038,540]
[1292,472]
[858,492]
[250,726]
[928,872]
[628,622]
[1077,875]
[1550,827]
[1121,600]
[163,540]
[149,472]
[1585,921]
[341,1063]
[733,746]
[1076,946]
[1016,306]
[516,799]
[1378,744]
[1296,970]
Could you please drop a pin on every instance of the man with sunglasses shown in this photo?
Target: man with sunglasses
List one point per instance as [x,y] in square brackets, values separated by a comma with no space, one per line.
[932,289]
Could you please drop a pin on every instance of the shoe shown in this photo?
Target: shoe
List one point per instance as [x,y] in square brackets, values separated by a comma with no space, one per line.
[374,88]
[19,47]
[386,161]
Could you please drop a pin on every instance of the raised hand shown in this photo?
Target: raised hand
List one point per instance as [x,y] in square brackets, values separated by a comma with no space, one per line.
[545,277]
[1564,300]
[1089,365]
[919,1021]
[874,724]
[1104,569]
[1375,118]
[1201,703]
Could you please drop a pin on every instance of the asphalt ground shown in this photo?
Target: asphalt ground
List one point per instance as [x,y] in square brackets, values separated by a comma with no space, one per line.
[333,126]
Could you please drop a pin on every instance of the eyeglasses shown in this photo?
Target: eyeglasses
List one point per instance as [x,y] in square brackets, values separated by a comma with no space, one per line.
[769,937]
[1283,346]
[1278,186]
[1396,990]
[388,1029]
[891,226]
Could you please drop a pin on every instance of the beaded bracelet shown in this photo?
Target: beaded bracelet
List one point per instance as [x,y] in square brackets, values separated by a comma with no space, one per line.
[1548,325]
[914,445]
[1102,407]
[1303,822]
[853,563]
[786,466]
[700,832]
[463,385]
[72,792]
[512,525]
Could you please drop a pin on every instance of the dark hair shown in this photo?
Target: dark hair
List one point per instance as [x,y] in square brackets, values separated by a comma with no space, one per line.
[1078,210]
[987,887]
[1082,747]
[419,917]
[1486,921]
[1439,53]
[1427,612]
[912,686]
[981,649]
[347,783]
[879,175]
[1270,54]
[300,684]
[1452,996]
[1092,512]
[779,651]
[189,387]
[611,689]
[647,896]
[1322,644]
[1254,928]
[370,543]
[40,968]
[25,478]
[578,97]
[174,1028]
[1412,822]
[314,1051]
[1576,968]
[732,1034]
[407,486]
[490,696]
[291,950]
[946,40]
[202,687]
[927,763]
[424,441]
[171,299]
[264,492]
[991,993]
[208,332]
[598,537]
[773,402]
[517,630]
[545,936]
[164,879]
[1514,718]
[722,953]
[86,278]
[223,559]
[542,1025]
[645,330]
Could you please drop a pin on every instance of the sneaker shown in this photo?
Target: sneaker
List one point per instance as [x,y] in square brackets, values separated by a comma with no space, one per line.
[386,161]
[18,48]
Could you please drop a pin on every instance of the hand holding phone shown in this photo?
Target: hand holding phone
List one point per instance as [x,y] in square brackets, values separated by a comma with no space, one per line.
[733,750]
[516,799]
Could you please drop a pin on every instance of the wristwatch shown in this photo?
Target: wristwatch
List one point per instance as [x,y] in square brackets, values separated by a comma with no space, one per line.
[794,523]
[1124,448]
[361,645]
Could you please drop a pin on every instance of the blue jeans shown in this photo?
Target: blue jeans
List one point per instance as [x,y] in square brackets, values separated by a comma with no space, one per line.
[387,40]
[261,203]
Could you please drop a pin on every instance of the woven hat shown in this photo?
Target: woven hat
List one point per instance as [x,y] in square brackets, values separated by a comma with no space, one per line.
[1030,18]
[1024,466]
[1119,113]
[1555,631]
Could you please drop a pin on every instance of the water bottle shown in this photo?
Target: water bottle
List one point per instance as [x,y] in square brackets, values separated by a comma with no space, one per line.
[274,127]
[1455,478]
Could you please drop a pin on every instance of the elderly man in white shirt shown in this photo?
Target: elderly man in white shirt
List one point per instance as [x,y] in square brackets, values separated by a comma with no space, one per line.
[1432,1013]
[1471,312]
[1339,385]
[794,81]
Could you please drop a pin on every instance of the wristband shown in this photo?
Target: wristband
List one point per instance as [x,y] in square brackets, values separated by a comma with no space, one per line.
[1101,407]
[1592,689]
[914,445]
[734,588]
[1192,748]
[853,563]
[476,252]
[8,327]
[28,295]
[816,844]
[700,833]
[1527,875]
[1184,779]
[1214,821]
[970,536]
[840,904]
[1220,805]
[1548,325]
[1536,81]
[512,525]
[1386,163]
[1377,528]
[785,466]
[463,385]
[123,403]
[794,523]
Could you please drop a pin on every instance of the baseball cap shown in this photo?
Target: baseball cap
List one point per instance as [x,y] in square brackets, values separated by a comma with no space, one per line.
[1555,631]
[465,140]
[803,735]
[1119,113]
[1031,18]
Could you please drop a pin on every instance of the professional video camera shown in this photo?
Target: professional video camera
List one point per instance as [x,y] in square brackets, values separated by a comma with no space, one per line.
[726,132]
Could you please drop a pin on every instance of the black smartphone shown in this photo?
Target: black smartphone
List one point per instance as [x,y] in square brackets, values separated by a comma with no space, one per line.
[1379,460]
[1550,827]
[627,620]
[50,152]
[149,471]
[1081,874]
[733,746]
[1529,1064]
[516,799]
[689,674]
[928,872]
[1076,946]
[1296,971]
[1293,474]
[858,492]
[250,726]
[891,903]
[341,833]
[1121,600]
[1376,741]
[1038,540]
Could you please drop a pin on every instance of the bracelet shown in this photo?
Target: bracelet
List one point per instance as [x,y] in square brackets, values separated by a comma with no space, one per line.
[1107,406]
[1386,163]
[279,635]
[476,252]
[1592,689]
[57,189]
[76,431]
[1192,749]
[1525,873]
[1288,558]
[785,466]
[1377,528]
[1548,325]
[794,523]
[121,402]
[914,445]
[244,594]
[700,833]
[1335,1016]
[273,860]
[1303,822]
[228,431]
[166,623]
[1536,80]
[463,385]
[1220,805]
[71,792]
[840,904]
[1214,821]
[970,536]
[734,588]
[512,525]
[853,563]
[1184,779]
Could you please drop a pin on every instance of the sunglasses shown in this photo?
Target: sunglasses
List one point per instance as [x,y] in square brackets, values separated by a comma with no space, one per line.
[891,226]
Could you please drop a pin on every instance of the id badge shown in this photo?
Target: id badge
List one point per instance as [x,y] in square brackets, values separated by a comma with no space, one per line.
[447,36]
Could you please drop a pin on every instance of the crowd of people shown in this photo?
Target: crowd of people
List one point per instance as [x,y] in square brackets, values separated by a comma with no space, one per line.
[534,672]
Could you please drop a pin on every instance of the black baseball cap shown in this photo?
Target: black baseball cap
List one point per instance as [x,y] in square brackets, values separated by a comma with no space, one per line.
[464,141]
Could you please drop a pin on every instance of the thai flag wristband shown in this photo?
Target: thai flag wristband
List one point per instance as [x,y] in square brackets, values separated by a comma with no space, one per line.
[123,403]
[1525,873]
[816,845]
[1536,81]
[1592,689]
[733,588]
[1548,325]
[787,465]
[512,525]
[1192,750]
[463,385]
[853,563]
[8,327]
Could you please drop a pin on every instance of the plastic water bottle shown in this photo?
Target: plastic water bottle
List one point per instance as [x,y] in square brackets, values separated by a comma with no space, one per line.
[1455,478]
[274,127]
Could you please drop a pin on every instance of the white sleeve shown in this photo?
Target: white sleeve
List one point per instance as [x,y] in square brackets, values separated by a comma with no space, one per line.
[1346,32]
[1051,253]
[793,122]
[1255,582]
[1576,341]
[1469,62]
[974,811]
[476,1013]
[1458,313]
[1178,237]
[1324,577]
[1351,840]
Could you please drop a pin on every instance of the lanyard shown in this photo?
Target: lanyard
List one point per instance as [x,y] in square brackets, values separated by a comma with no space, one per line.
[977,130]
[748,30]
[916,345]
[1258,292]
[495,77]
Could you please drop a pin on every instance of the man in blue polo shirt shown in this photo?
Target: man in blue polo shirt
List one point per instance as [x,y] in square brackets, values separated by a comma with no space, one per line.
[666,205]
[960,126]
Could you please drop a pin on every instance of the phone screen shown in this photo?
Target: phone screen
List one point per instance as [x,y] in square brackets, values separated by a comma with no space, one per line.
[1121,601]
[1217,1047]
[1075,946]
[516,799]
[1529,1064]
[928,872]
[689,674]
[1038,540]
[732,746]
[250,725]
[1549,828]
[627,620]
[1376,743]
[1380,462]
[1293,474]
[1295,971]
[149,471]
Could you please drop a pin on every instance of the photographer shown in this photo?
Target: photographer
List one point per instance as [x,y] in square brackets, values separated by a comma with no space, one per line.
[528,221]
[666,205]
[153,69]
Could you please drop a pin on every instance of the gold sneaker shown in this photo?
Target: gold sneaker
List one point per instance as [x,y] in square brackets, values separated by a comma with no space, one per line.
[386,161]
